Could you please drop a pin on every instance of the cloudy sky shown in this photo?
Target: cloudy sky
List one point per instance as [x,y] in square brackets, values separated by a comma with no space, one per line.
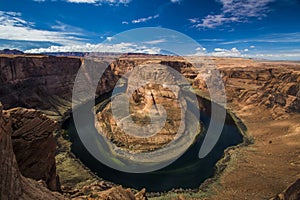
[248,28]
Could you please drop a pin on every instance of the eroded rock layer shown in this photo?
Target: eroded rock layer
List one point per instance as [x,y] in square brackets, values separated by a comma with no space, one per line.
[13,185]
[34,145]
[39,82]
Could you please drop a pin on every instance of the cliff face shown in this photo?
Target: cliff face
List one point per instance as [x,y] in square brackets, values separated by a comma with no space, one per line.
[275,88]
[34,145]
[40,82]
[46,83]
[27,143]
[12,184]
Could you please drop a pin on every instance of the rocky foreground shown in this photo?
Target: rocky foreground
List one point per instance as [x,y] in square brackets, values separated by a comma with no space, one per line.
[264,95]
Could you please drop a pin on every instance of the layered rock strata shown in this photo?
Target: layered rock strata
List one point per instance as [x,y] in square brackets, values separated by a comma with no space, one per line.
[13,184]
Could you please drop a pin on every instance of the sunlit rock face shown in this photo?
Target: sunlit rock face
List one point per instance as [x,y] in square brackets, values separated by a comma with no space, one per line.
[154,114]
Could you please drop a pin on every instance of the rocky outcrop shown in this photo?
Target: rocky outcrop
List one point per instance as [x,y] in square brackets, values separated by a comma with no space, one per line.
[116,193]
[291,193]
[13,185]
[102,192]
[271,86]
[34,145]
[10,177]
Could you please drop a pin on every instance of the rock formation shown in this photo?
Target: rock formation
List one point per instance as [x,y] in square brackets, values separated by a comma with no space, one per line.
[291,193]
[34,145]
[145,113]
[99,191]
[10,187]
[13,185]
[274,86]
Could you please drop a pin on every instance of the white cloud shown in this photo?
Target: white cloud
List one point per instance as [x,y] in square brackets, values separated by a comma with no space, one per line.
[125,22]
[96,2]
[135,48]
[116,48]
[145,19]
[246,50]
[212,21]
[246,8]
[111,2]
[81,1]
[155,41]
[109,39]
[175,1]
[194,20]
[292,37]
[13,27]
[200,51]
[234,11]
[62,27]
[234,52]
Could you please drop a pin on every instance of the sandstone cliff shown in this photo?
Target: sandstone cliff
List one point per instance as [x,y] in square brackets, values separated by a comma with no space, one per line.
[13,185]
[45,82]
[40,82]
[34,145]
[272,85]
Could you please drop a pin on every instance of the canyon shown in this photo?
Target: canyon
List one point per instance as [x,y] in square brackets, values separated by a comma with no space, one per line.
[36,97]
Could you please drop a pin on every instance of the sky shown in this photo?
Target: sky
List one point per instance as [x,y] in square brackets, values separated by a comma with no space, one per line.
[268,29]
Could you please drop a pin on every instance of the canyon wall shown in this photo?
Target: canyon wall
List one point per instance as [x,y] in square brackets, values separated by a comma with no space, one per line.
[271,85]
[13,185]
[34,145]
[40,82]
[45,83]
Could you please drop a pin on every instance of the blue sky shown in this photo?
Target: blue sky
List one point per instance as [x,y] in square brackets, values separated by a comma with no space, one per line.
[248,28]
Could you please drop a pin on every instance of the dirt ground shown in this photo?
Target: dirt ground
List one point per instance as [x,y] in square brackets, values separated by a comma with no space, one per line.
[265,168]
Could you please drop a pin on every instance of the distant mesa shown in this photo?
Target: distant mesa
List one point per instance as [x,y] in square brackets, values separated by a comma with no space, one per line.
[11,51]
